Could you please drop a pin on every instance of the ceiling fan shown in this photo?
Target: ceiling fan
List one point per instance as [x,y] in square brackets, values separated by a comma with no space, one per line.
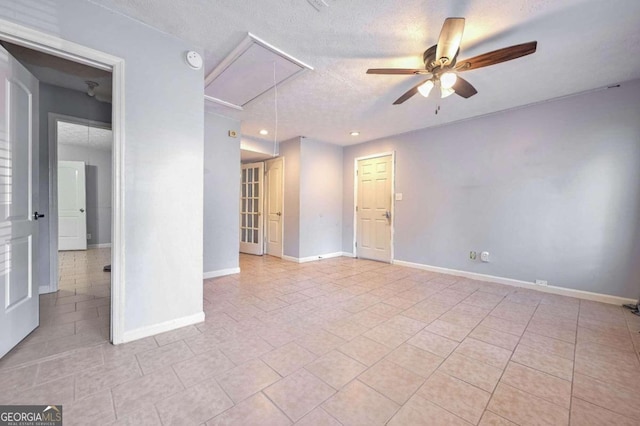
[440,61]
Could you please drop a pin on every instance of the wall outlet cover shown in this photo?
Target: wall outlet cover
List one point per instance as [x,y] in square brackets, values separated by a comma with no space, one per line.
[398,196]
[233,134]
[88,236]
[484,256]
[542,282]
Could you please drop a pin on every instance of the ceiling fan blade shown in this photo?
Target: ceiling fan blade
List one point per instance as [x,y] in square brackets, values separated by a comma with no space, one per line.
[409,93]
[464,88]
[408,71]
[497,56]
[449,40]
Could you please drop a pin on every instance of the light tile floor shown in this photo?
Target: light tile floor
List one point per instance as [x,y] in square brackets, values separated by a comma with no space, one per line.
[339,341]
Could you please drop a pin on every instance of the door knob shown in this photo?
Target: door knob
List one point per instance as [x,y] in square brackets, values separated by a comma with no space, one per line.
[81,210]
[387,214]
[279,213]
[37,215]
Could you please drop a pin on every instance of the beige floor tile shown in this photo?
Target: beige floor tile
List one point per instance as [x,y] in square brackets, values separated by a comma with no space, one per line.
[93,409]
[55,392]
[483,300]
[247,379]
[505,326]
[336,369]
[484,352]
[163,356]
[551,364]
[433,343]
[357,403]
[419,411]
[202,367]
[451,331]
[584,413]
[618,375]
[525,409]
[194,406]
[414,359]
[471,371]
[456,396]
[69,364]
[145,391]
[174,335]
[244,348]
[106,376]
[385,310]
[405,324]
[318,417]
[495,337]
[17,379]
[392,381]
[492,419]
[554,331]
[299,393]
[542,385]
[255,411]
[288,359]
[387,335]
[513,312]
[547,344]
[605,395]
[147,416]
[346,329]
[607,354]
[320,342]
[364,350]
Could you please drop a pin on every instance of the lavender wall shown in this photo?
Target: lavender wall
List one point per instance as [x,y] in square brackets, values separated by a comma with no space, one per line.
[552,191]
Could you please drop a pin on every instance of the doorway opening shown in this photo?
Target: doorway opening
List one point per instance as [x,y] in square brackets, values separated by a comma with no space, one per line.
[38,43]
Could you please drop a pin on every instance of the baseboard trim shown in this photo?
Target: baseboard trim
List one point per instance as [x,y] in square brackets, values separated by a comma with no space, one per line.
[580,294]
[221,273]
[152,330]
[104,245]
[44,289]
[348,254]
[312,258]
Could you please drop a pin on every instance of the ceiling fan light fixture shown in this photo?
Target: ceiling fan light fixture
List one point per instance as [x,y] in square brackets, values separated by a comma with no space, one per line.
[448,79]
[91,87]
[444,91]
[425,89]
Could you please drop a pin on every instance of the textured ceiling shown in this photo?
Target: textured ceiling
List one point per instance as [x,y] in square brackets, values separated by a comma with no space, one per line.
[582,45]
[85,136]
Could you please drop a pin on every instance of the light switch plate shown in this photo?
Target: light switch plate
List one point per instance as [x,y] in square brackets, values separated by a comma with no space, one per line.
[398,196]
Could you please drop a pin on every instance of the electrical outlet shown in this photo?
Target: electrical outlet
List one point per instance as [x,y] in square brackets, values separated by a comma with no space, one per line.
[88,236]
[484,256]
[472,255]
[542,282]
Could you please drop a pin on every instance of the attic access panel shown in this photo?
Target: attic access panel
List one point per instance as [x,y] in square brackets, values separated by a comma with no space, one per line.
[248,72]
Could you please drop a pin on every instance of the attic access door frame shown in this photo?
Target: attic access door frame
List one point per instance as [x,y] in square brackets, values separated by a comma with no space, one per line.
[56,46]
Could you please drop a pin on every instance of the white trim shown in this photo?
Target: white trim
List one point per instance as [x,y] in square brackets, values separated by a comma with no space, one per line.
[53,45]
[313,258]
[221,273]
[45,289]
[347,254]
[97,246]
[152,330]
[208,98]
[393,199]
[580,294]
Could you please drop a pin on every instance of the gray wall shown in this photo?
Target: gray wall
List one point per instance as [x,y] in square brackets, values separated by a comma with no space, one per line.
[320,198]
[552,191]
[163,151]
[67,102]
[221,193]
[98,188]
[290,150]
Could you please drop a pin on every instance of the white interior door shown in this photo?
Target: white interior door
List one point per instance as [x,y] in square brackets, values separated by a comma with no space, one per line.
[18,200]
[251,232]
[275,176]
[373,210]
[72,217]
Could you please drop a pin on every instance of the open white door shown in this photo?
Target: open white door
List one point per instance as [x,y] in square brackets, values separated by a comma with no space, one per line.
[18,202]
[251,208]
[72,217]
[373,210]
[275,176]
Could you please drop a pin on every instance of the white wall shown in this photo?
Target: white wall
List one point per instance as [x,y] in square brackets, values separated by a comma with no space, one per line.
[98,188]
[221,195]
[552,191]
[163,152]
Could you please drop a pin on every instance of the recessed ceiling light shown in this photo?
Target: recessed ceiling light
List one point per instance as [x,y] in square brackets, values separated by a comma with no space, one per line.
[355,133]
[264,132]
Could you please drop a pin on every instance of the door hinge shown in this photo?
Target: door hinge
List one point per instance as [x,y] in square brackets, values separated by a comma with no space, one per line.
[357,172]
[356,244]
[356,208]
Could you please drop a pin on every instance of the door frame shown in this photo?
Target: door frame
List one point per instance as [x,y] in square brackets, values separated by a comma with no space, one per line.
[56,46]
[265,208]
[393,201]
[54,118]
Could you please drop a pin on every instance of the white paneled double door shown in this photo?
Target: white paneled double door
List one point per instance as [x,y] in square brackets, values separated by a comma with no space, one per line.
[251,222]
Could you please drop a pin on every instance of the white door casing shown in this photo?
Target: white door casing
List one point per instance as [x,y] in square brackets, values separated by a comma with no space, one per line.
[19,301]
[72,200]
[275,206]
[251,200]
[374,208]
